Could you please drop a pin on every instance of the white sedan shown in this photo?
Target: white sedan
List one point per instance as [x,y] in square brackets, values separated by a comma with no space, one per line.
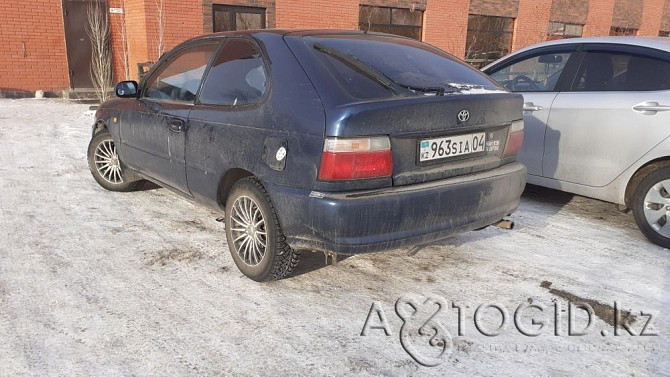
[597,121]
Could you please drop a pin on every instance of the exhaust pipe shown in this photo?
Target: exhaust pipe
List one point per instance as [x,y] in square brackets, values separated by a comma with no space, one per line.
[504,224]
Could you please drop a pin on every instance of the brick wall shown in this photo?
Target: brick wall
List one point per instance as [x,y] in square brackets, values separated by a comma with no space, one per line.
[142,29]
[38,24]
[531,23]
[179,24]
[652,14]
[42,64]
[116,26]
[665,22]
[136,29]
[599,18]
[341,14]
[569,11]
[445,23]
[502,8]
[628,13]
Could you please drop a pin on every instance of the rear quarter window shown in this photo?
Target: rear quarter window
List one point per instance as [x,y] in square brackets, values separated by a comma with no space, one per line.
[404,61]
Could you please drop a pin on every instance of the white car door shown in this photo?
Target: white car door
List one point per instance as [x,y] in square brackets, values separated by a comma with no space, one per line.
[618,109]
[536,75]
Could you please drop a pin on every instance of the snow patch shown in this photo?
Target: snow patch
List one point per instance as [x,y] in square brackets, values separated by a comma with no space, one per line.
[472,89]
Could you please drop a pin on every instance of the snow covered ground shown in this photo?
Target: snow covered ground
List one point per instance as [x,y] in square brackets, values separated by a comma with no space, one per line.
[100,283]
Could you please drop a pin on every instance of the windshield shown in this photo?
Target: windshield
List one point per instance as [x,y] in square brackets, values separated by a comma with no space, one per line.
[361,61]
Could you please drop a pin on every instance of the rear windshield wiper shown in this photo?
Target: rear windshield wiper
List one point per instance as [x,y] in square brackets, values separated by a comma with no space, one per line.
[438,90]
[359,66]
[379,77]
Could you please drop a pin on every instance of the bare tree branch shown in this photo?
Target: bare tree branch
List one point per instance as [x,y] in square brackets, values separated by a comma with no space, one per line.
[98,31]
[125,43]
[160,17]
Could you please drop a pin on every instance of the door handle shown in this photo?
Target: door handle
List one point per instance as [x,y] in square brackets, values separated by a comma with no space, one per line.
[176,125]
[529,106]
[650,108]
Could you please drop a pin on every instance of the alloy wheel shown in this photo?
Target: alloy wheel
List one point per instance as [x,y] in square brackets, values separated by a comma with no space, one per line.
[107,162]
[248,230]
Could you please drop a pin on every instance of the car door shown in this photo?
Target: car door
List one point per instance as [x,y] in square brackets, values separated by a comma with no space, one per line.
[153,136]
[538,75]
[616,110]
[228,124]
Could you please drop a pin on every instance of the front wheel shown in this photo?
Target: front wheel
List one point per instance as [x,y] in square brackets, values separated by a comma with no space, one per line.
[255,239]
[105,165]
[651,206]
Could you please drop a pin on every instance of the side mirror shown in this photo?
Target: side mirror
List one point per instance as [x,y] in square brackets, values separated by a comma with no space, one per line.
[127,89]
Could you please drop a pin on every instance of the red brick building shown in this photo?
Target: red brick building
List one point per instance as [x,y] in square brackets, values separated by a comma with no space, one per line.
[45,45]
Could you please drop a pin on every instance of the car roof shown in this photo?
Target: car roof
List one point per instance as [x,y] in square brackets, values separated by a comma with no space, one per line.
[280,32]
[660,43]
[288,32]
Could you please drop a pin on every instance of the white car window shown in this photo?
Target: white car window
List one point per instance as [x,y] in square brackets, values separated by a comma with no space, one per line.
[620,71]
[539,73]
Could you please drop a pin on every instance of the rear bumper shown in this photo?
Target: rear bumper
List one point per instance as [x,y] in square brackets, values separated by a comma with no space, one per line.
[377,220]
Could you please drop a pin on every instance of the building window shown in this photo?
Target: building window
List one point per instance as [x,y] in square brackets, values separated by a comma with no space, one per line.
[622,31]
[489,38]
[227,18]
[405,22]
[664,33]
[560,30]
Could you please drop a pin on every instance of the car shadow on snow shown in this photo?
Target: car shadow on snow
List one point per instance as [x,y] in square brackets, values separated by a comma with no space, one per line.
[311,261]
[147,186]
[539,204]
[553,200]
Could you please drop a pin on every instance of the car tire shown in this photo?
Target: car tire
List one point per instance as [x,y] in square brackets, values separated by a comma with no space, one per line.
[651,206]
[255,239]
[106,167]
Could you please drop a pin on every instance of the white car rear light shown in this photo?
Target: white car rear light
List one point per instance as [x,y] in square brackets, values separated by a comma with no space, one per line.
[514,139]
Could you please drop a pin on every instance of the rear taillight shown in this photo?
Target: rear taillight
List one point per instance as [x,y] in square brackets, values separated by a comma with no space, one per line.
[514,139]
[359,158]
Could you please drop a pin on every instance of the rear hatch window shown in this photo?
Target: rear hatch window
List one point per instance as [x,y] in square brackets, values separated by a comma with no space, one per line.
[377,66]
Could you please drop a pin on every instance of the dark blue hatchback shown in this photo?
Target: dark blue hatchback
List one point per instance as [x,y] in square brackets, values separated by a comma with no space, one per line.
[337,141]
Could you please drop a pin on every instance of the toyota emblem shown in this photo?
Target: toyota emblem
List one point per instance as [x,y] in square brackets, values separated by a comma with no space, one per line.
[463,116]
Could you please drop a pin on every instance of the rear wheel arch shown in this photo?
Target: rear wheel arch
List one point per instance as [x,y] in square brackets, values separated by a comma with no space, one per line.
[640,174]
[227,181]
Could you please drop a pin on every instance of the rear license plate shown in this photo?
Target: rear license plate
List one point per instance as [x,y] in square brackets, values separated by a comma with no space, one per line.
[433,149]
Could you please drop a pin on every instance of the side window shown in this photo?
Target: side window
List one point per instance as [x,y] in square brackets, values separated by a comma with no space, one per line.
[536,74]
[620,71]
[179,77]
[237,76]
